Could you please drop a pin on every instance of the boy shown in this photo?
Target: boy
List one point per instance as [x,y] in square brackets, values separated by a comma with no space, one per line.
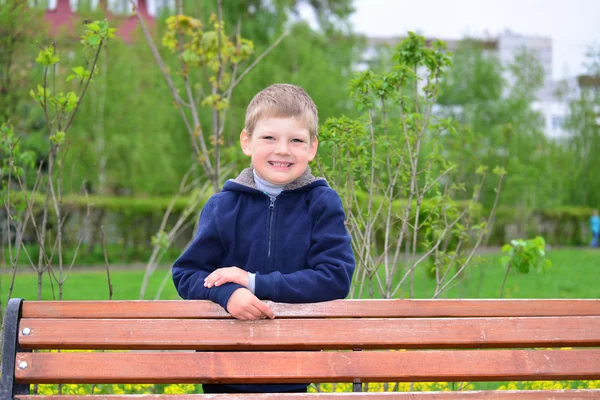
[275,232]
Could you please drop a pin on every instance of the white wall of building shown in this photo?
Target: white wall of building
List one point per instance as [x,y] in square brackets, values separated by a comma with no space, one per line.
[554,113]
[553,109]
[123,6]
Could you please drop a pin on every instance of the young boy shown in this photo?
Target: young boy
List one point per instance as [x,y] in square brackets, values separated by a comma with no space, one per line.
[275,232]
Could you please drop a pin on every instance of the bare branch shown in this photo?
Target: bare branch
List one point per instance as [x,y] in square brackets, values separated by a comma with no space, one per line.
[79,100]
[251,66]
[233,77]
[508,266]
[110,287]
[87,220]
[161,64]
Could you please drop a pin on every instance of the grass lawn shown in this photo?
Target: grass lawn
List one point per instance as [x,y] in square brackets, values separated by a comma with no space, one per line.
[91,284]
[575,273]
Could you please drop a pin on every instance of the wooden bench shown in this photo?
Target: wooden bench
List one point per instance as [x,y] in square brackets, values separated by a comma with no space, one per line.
[440,341]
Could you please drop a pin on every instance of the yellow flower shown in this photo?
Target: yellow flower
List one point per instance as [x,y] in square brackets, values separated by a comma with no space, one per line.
[47,389]
[180,389]
[116,389]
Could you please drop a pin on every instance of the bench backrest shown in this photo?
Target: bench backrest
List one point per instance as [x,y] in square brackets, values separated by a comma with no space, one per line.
[524,338]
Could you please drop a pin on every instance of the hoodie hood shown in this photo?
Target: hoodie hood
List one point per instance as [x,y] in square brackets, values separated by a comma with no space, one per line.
[246,179]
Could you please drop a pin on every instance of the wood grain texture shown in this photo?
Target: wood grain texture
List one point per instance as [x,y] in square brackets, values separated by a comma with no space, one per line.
[297,367]
[310,334]
[487,395]
[177,309]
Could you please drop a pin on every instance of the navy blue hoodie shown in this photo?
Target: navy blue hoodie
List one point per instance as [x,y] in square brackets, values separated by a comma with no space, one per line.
[297,246]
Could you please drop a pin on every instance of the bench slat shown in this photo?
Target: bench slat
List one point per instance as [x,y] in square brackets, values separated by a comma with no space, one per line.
[177,309]
[310,334]
[291,367]
[491,395]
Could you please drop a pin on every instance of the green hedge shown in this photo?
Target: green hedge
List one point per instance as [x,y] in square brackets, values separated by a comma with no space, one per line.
[565,226]
[129,205]
[130,224]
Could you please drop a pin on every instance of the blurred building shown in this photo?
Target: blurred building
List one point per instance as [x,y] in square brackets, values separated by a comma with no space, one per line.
[62,15]
[506,46]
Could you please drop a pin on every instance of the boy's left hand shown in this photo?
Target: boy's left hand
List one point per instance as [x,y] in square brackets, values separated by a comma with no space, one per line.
[227,274]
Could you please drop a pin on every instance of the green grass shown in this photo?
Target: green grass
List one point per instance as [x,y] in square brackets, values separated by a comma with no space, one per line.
[575,273]
[91,284]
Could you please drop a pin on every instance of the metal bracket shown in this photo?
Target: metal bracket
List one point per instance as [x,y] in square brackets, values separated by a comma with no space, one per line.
[356,384]
[10,347]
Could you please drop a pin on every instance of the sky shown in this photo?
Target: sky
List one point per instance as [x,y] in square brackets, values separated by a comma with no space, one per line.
[573,25]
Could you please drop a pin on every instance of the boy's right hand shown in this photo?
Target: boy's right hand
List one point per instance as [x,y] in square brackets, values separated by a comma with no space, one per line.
[246,306]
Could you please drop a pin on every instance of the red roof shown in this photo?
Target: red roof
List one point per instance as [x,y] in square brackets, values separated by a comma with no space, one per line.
[126,28]
[62,17]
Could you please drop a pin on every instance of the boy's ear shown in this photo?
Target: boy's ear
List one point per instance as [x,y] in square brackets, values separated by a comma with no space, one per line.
[312,152]
[245,143]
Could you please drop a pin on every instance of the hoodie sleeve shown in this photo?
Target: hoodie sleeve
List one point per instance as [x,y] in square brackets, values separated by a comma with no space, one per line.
[203,256]
[330,261]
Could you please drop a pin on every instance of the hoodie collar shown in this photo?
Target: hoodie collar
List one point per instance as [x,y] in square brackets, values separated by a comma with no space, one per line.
[246,178]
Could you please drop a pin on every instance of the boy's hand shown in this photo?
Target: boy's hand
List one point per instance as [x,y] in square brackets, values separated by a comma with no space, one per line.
[245,306]
[227,274]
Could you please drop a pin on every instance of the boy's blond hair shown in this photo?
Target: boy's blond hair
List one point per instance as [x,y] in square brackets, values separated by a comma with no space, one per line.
[283,100]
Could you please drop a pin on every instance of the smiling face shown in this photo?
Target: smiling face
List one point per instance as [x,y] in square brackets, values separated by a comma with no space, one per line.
[280,148]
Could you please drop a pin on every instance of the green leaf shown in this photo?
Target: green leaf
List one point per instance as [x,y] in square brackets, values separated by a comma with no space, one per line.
[58,138]
[93,40]
[93,26]
[47,57]
[523,266]
[79,70]
[71,101]
[41,94]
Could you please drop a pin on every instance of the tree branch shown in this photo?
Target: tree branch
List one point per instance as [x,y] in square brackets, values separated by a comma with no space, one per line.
[251,66]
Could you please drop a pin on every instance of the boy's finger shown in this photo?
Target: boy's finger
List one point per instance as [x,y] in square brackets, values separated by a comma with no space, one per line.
[254,312]
[210,280]
[265,310]
[262,315]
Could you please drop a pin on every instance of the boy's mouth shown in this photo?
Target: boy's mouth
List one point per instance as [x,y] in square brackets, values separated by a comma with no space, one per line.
[280,164]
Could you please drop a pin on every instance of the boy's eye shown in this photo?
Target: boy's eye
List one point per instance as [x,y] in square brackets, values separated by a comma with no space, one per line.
[298,140]
[267,137]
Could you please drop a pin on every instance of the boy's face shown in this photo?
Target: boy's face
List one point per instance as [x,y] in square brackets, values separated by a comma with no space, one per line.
[280,149]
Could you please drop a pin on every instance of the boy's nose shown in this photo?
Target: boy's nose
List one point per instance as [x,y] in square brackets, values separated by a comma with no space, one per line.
[283,147]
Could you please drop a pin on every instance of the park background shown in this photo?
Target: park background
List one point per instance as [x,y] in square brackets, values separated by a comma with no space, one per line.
[508,158]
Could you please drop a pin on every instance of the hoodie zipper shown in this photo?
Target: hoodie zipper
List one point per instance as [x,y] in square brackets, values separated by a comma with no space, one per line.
[271,213]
